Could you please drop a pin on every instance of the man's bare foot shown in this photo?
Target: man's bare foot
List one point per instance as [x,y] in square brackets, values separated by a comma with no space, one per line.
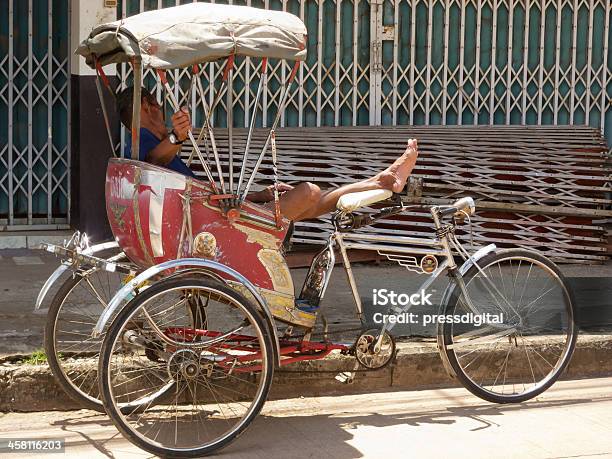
[395,176]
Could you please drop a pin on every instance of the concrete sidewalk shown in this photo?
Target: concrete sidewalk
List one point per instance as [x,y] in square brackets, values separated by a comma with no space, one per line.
[570,420]
[416,366]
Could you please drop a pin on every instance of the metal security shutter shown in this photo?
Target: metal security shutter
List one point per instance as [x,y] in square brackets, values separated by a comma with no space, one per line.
[335,78]
[496,62]
[34,126]
[387,62]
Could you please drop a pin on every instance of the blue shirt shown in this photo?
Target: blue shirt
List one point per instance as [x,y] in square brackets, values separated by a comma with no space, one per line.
[148,141]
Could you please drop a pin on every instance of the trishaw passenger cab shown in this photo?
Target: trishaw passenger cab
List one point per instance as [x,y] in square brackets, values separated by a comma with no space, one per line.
[158,214]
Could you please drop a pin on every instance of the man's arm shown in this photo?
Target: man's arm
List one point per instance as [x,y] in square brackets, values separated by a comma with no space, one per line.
[165,152]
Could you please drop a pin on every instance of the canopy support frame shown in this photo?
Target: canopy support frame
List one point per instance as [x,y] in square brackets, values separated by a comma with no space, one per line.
[229,111]
[175,106]
[100,75]
[263,82]
[281,108]
[207,131]
[136,104]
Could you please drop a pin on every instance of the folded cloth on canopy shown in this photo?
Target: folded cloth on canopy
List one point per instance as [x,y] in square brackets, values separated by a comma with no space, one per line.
[193,33]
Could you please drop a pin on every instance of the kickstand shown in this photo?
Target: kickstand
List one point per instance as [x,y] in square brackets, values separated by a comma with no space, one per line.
[348,377]
[325,327]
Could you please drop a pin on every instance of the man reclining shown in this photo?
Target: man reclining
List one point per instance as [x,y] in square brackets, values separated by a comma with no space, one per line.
[300,202]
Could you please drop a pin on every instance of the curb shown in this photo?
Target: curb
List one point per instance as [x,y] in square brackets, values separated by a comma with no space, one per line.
[28,388]
[32,240]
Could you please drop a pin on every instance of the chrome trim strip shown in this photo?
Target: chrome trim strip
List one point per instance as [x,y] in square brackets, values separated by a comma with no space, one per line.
[159,182]
[394,239]
[62,268]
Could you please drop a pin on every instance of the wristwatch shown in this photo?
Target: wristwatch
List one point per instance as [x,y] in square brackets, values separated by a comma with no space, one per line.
[173,138]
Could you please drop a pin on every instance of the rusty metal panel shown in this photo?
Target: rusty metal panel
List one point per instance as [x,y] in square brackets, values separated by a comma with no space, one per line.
[546,188]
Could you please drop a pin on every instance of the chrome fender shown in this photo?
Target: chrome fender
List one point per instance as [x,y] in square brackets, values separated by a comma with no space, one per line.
[450,288]
[63,268]
[129,289]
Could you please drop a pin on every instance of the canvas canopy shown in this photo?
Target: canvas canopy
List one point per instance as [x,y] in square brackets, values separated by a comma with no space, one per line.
[194,33]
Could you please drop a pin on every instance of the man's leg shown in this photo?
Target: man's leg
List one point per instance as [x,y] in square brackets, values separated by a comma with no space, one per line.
[297,201]
[301,204]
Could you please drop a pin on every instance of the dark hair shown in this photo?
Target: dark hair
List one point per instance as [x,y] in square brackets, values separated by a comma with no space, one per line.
[124,104]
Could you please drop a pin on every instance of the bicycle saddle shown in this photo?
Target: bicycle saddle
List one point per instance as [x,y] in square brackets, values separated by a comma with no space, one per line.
[353,201]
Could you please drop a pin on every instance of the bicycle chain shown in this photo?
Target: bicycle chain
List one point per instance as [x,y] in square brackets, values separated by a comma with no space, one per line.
[336,332]
[330,371]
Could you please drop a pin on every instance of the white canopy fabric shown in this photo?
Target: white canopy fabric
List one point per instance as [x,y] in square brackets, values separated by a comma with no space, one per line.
[196,32]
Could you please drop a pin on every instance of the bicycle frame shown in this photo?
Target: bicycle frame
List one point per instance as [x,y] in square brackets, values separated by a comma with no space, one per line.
[402,249]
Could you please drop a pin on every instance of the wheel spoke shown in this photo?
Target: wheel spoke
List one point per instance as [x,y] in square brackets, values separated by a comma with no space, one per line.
[71,350]
[519,358]
[211,399]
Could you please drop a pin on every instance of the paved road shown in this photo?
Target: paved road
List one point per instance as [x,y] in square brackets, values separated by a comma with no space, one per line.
[573,419]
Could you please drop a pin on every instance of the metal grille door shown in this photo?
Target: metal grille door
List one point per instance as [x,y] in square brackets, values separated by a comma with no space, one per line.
[34,114]
[387,62]
[495,62]
[335,81]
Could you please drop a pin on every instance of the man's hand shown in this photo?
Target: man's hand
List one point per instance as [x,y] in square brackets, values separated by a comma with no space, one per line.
[181,123]
[267,194]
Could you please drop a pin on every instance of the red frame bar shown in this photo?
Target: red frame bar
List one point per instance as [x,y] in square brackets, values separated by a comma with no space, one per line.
[103,76]
[296,66]
[292,350]
[228,66]
[162,76]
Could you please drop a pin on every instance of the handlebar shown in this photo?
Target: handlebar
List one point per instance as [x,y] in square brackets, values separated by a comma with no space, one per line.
[445,212]
[461,205]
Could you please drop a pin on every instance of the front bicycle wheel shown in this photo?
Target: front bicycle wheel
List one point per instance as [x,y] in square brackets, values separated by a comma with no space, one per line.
[207,342]
[510,332]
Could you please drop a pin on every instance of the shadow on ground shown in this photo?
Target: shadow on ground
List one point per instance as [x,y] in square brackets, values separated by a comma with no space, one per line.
[304,436]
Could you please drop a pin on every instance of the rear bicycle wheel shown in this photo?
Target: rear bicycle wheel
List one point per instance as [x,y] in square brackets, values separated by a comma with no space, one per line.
[218,361]
[526,332]
[71,351]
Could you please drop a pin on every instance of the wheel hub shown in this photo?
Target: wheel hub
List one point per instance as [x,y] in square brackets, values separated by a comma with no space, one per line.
[185,364]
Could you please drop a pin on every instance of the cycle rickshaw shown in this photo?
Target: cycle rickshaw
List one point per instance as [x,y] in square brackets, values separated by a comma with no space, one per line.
[206,308]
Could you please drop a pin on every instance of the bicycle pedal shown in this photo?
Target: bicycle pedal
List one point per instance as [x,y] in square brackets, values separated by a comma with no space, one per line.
[346,377]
